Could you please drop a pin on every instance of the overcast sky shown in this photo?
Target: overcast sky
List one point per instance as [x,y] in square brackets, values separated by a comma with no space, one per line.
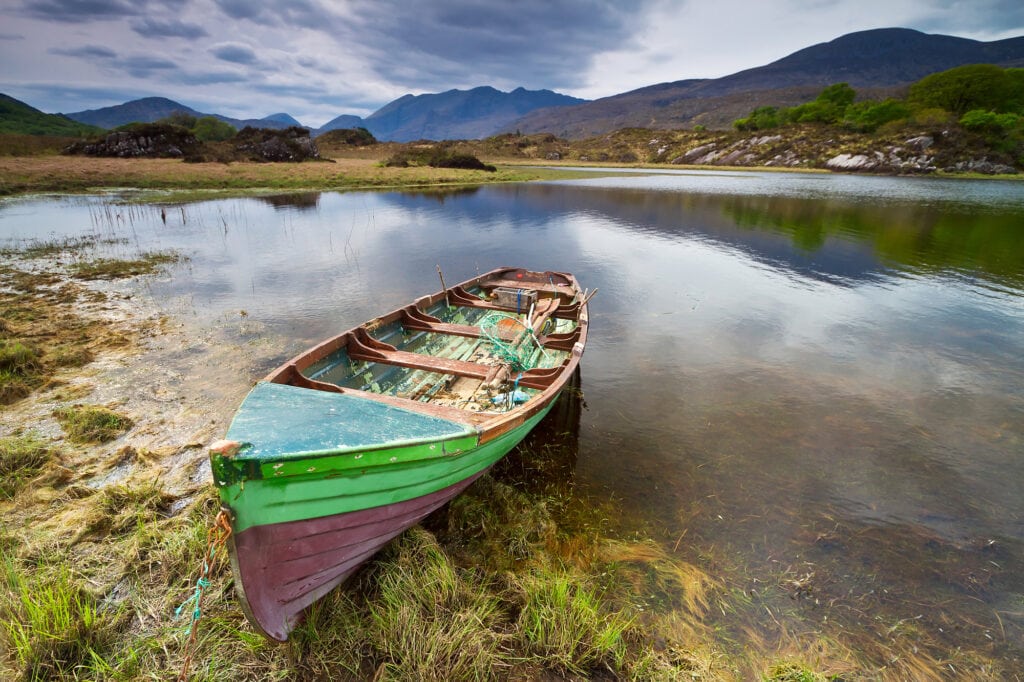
[316,59]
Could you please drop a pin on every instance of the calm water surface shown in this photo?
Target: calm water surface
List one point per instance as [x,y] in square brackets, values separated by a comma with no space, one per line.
[816,381]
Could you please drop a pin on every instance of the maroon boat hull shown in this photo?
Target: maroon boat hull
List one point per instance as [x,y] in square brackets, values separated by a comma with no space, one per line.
[328,549]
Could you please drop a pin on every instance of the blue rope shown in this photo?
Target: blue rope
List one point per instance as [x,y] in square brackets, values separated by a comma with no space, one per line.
[201,585]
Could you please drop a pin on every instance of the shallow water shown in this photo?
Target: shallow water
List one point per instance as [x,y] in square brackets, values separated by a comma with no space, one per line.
[788,375]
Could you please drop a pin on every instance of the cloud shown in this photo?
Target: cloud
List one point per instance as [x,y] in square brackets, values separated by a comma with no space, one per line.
[536,43]
[149,27]
[196,78]
[84,11]
[301,13]
[236,53]
[988,19]
[85,52]
[12,36]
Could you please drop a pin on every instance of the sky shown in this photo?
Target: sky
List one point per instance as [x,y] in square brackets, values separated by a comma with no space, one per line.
[317,59]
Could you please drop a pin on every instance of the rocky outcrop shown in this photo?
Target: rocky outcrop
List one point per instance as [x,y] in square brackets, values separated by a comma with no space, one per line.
[983,166]
[263,144]
[155,141]
[838,151]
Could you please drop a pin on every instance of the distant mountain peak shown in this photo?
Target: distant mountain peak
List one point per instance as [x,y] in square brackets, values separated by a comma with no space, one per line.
[459,114]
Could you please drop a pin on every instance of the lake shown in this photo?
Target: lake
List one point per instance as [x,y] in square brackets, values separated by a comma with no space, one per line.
[810,385]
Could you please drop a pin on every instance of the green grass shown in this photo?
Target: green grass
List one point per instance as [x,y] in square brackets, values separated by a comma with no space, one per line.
[91,424]
[432,620]
[53,627]
[564,622]
[21,458]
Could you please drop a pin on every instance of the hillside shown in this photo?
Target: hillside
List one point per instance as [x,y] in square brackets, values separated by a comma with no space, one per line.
[151,109]
[878,63]
[16,117]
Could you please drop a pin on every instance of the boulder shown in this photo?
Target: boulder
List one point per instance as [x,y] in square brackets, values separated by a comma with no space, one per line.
[852,162]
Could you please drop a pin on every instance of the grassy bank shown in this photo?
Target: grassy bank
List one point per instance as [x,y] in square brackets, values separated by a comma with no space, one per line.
[40,174]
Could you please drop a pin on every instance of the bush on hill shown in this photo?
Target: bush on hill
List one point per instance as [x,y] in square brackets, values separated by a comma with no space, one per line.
[437,158]
[356,137]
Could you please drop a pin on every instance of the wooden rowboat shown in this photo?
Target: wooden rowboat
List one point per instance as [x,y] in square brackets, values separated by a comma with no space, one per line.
[348,444]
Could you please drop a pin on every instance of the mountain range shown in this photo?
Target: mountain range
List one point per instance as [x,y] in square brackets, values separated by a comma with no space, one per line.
[149,109]
[877,63]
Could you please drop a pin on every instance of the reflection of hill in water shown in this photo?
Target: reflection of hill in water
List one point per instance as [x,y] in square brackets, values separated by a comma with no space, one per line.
[300,201]
[834,239]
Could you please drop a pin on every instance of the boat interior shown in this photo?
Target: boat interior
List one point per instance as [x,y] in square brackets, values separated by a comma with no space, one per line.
[485,346]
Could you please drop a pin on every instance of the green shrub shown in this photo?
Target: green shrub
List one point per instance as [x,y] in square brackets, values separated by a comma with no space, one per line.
[963,88]
[210,129]
[869,116]
[761,118]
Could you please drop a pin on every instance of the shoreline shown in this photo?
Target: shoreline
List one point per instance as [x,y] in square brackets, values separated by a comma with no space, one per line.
[32,175]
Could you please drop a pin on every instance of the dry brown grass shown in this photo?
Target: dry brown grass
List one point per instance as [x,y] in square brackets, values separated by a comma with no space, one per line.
[79,174]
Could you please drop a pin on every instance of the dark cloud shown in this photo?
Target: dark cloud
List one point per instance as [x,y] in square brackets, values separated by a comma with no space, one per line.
[144,66]
[78,11]
[240,9]
[301,13]
[994,17]
[236,53]
[11,36]
[83,11]
[85,52]
[149,27]
[531,42]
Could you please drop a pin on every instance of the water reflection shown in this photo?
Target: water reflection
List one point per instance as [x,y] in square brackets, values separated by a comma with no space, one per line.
[303,201]
[820,374]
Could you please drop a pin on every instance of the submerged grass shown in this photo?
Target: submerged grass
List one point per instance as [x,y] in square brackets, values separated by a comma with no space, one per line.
[115,268]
